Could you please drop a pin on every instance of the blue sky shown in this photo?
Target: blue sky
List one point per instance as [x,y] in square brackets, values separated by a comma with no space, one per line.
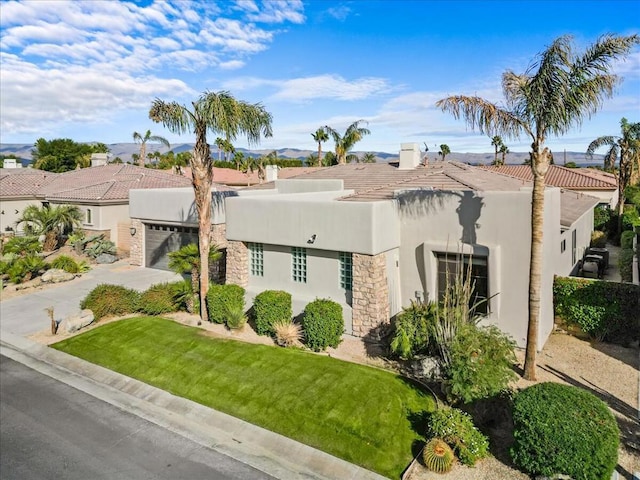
[89,70]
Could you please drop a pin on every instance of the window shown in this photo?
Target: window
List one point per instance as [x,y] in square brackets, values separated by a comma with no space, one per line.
[346,271]
[299,264]
[563,245]
[574,244]
[256,260]
[448,269]
[89,216]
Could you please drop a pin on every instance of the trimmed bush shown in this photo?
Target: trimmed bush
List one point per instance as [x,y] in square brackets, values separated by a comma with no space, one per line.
[269,307]
[457,429]
[482,362]
[626,239]
[561,429]
[605,310]
[221,298]
[414,328]
[323,324]
[108,299]
[159,298]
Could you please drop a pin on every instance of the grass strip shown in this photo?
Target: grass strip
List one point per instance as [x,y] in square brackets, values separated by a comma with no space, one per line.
[358,413]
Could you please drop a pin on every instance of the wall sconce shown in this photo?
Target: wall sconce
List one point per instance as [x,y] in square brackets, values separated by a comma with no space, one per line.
[419,296]
[132,231]
[312,238]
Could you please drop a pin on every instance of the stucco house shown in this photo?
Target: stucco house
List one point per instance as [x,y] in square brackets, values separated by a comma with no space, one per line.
[373,237]
[100,192]
[596,183]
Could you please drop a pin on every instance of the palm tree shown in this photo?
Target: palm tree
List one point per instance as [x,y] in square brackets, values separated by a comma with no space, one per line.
[186,260]
[215,112]
[444,151]
[52,222]
[503,151]
[553,95]
[228,149]
[238,158]
[143,139]
[220,144]
[368,157]
[320,136]
[344,143]
[496,142]
[628,146]
[248,166]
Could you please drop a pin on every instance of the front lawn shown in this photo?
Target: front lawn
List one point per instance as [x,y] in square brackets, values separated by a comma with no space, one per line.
[354,412]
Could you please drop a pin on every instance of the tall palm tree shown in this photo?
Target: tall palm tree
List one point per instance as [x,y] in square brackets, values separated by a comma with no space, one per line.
[216,112]
[219,143]
[554,94]
[444,151]
[368,157]
[344,143]
[143,139]
[52,222]
[503,151]
[628,146]
[320,136]
[496,142]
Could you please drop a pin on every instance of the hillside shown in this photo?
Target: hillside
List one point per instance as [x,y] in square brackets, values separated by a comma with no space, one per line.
[125,150]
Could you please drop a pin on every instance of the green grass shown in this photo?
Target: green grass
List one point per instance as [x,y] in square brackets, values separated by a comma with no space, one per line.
[354,412]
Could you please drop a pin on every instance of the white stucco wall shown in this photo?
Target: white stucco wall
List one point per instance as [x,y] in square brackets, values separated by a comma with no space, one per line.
[11,210]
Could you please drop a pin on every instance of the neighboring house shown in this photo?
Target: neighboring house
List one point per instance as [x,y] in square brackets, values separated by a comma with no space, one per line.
[374,237]
[237,178]
[589,181]
[100,192]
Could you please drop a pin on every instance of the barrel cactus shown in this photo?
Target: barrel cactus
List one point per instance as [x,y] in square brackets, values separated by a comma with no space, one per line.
[438,456]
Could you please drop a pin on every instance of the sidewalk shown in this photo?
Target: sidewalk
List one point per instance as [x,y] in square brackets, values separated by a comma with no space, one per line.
[269,452]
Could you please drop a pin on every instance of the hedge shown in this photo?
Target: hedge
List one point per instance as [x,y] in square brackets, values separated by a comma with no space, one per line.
[221,298]
[607,311]
[269,307]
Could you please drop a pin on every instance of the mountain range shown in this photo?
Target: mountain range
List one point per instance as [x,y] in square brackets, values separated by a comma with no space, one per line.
[126,150]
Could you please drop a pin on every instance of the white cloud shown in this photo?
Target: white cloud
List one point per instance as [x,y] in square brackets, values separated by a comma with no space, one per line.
[278,12]
[330,87]
[340,12]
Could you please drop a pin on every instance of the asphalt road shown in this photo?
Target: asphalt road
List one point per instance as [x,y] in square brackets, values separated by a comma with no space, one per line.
[49,430]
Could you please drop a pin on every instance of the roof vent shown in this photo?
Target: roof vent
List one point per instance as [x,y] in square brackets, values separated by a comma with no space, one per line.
[409,156]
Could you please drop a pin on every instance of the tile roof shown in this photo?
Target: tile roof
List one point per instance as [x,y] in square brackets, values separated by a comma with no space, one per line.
[558,176]
[108,183]
[230,176]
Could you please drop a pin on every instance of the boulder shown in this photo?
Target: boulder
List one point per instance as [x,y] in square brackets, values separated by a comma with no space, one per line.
[426,368]
[76,322]
[106,258]
[56,275]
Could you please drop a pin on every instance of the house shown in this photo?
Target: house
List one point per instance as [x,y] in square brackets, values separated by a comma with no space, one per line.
[374,237]
[237,178]
[100,192]
[589,181]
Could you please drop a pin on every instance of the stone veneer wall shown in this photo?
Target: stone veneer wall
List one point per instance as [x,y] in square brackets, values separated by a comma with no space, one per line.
[219,235]
[135,244]
[237,263]
[370,304]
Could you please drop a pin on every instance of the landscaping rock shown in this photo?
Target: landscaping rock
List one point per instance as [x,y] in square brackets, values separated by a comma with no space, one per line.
[106,258]
[57,275]
[426,368]
[76,322]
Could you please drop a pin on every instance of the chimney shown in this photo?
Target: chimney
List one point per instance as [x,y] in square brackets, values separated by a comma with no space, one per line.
[271,172]
[99,159]
[409,156]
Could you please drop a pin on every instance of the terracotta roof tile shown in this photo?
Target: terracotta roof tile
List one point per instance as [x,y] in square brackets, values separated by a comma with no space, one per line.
[557,176]
[23,182]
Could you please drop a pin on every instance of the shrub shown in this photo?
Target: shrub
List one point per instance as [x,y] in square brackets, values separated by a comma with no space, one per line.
[626,239]
[414,330]
[221,298]
[601,217]
[323,324]
[457,429]
[604,310]
[108,299]
[561,429]
[22,245]
[100,246]
[25,268]
[68,264]
[236,318]
[438,456]
[625,264]
[6,261]
[287,333]
[159,298]
[482,361]
[269,307]
[598,239]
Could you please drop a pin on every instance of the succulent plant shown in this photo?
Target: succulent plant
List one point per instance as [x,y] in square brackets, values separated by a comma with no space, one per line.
[438,455]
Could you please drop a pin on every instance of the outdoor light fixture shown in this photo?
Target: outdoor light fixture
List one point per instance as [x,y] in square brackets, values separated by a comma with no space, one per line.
[132,231]
[312,238]
[419,296]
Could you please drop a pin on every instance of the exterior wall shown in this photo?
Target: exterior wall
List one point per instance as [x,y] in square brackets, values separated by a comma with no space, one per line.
[370,294]
[136,245]
[238,263]
[11,210]
[583,227]
[108,218]
[608,197]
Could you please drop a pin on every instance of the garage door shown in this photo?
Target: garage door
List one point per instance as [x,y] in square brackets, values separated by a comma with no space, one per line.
[160,240]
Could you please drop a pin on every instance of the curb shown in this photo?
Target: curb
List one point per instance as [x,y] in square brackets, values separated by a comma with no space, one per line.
[269,452]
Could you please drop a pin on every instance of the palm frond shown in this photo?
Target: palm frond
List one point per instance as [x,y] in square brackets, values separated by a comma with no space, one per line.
[172,115]
[599,142]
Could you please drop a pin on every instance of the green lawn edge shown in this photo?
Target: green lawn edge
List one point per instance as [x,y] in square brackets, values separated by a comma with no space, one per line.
[364,415]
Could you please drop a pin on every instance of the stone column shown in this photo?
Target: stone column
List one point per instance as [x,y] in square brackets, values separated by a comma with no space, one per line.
[136,252]
[237,263]
[370,303]
[218,235]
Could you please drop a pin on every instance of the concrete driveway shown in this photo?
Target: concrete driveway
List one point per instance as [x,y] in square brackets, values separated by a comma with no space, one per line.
[25,314]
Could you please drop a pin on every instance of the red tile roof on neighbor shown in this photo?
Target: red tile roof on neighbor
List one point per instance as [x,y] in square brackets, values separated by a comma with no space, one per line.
[108,183]
[558,176]
[230,176]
